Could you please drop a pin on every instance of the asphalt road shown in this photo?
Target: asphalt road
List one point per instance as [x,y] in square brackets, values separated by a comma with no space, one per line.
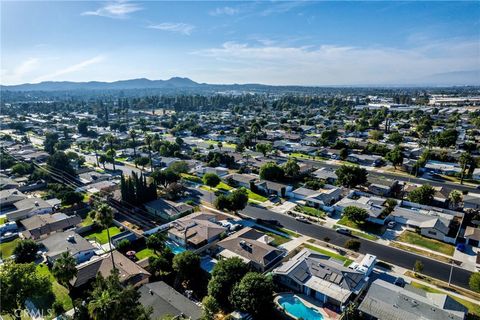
[394,256]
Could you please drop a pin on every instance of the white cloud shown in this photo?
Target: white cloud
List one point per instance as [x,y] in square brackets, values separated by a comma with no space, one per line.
[18,74]
[229,11]
[342,65]
[182,28]
[119,9]
[70,69]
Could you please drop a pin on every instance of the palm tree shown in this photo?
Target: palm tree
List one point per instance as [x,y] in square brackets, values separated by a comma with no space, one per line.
[133,135]
[95,146]
[102,160]
[255,129]
[111,154]
[103,304]
[148,142]
[64,268]
[104,217]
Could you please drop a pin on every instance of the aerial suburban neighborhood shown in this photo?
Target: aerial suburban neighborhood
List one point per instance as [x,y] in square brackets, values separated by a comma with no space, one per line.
[303,177]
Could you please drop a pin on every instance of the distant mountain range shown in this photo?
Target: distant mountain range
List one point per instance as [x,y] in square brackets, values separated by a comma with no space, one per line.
[142,83]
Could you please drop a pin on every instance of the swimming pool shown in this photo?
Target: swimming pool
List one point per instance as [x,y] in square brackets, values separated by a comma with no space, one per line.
[295,307]
[176,249]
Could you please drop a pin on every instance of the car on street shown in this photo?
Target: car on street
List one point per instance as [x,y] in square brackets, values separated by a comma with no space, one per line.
[302,219]
[344,231]
[400,282]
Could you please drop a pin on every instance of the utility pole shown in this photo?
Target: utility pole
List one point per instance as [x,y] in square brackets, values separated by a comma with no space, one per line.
[450,276]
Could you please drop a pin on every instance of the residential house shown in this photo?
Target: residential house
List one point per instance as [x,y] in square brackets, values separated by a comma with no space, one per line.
[28,207]
[439,167]
[471,201]
[326,174]
[196,231]
[365,159]
[472,236]
[241,180]
[60,242]
[437,223]
[381,187]
[253,247]
[276,188]
[9,196]
[92,176]
[387,301]
[40,226]
[130,273]
[374,205]
[321,277]
[167,210]
[321,198]
[219,171]
[164,300]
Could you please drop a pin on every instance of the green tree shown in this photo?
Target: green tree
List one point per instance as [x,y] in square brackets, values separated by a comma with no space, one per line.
[210,308]
[60,161]
[291,168]
[423,194]
[225,275]
[395,138]
[375,135]
[133,135]
[51,139]
[21,281]
[474,282]
[148,142]
[254,294]
[111,155]
[355,213]
[455,197]
[211,179]
[351,176]
[465,160]
[418,266]
[271,171]
[104,217]
[238,199]
[352,244]
[264,148]
[395,157]
[142,161]
[179,167]
[64,269]
[26,251]
[156,242]
[187,267]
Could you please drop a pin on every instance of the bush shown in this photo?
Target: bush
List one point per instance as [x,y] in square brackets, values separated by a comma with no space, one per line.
[352,245]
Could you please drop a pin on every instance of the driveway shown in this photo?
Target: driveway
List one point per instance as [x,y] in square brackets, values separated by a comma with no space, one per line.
[284,207]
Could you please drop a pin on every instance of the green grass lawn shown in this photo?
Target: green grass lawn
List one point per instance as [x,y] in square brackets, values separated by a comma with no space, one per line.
[6,248]
[3,220]
[421,241]
[311,211]
[360,234]
[87,221]
[223,186]
[144,253]
[191,177]
[224,144]
[421,252]
[254,196]
[59,291]
[362,226]
[473,308]
[277,239]
[346,261]
[102,236]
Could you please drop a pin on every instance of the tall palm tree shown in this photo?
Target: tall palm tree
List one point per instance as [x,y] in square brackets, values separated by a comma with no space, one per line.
[64,268]
[133,135]
[465,160]
[148,142]
[104,217]
[111,154]
[95,145]
[103,304]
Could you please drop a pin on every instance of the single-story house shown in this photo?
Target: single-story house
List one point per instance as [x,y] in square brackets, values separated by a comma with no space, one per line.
[60,242]
[321,277]
[130,273]
[472,236]
[168,210]
[276,188]
[374,205]
[39,226]
[448,168]
[365,159]
[253,247]
[241,180]
[326,196]
[10,196]
[386,301]
[28,207]
[471,201]
[326,174]
[381,187]
[165,300]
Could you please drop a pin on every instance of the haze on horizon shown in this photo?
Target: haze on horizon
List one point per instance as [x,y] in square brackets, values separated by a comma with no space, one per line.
[277,43]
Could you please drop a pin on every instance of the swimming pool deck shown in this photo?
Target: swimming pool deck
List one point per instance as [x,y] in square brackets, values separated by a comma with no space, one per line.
[309,302]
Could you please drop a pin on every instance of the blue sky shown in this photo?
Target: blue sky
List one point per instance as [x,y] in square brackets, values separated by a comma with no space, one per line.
[271,42]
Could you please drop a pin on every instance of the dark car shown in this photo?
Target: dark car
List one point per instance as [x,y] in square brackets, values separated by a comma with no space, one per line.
[400,282]
[344,231]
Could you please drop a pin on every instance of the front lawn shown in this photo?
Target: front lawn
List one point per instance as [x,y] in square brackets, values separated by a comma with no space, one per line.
[6,248]
[3,220]
[223,186]
[346,261]
[59,291]
[255,196]
[366,226]
[311,211]
[191,178]
[102,236]
[277,239]
[431,244]
[87,221]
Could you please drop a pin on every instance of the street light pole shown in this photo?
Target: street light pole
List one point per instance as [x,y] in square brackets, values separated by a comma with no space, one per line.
[450,276]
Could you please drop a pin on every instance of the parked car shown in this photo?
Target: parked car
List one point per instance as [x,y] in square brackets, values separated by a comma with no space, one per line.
[399,282]
[391,224]
[302,219]
[344,231]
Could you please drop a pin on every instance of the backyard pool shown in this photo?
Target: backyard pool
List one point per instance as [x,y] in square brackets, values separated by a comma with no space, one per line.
[176,249]
[295,307]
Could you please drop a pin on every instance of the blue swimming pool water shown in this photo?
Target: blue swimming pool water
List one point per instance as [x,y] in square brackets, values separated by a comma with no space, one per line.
[295,307]
[176,249]
[207,264]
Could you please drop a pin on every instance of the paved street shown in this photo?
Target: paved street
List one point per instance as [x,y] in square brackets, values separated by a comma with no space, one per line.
[401,258]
